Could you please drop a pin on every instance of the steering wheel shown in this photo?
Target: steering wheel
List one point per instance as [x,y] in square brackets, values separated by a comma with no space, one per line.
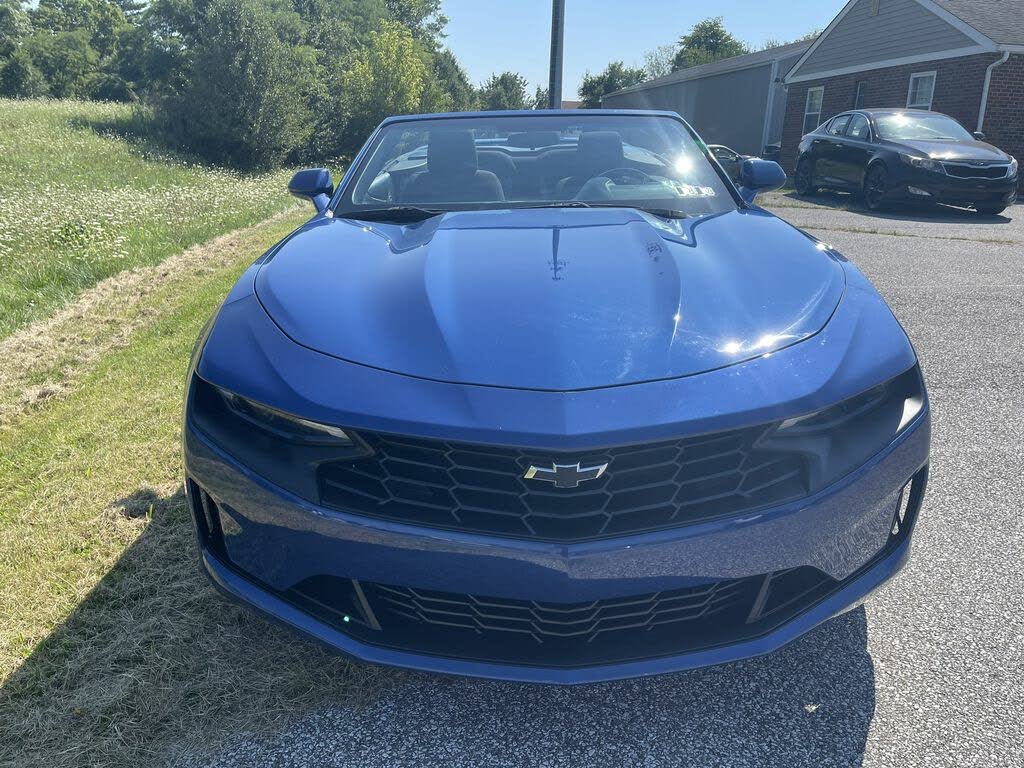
[623,175]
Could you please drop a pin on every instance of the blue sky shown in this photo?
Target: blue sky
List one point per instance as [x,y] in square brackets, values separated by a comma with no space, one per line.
[495,35]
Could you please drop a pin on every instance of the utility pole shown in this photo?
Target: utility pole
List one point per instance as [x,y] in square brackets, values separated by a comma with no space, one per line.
[557,49]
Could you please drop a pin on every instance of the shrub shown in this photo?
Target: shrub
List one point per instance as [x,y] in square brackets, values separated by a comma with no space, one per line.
[244,100]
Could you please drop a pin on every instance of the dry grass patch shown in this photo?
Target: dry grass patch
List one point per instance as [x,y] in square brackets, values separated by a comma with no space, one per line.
[44,360]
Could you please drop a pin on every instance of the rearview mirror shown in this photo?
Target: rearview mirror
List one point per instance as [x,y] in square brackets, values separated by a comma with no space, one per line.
[313,184]
[979,135]
[757,176]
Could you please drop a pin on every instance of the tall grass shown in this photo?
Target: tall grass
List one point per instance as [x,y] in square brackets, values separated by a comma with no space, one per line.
[82,198]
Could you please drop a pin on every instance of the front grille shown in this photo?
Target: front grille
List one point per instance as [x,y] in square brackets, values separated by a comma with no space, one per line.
[563,635]
[481,489]
[966,171]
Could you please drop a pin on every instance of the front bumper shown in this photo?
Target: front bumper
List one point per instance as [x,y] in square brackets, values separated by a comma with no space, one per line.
[926,186]
[269,541]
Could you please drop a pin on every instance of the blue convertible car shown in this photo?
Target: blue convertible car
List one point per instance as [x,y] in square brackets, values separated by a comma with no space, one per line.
[544,396]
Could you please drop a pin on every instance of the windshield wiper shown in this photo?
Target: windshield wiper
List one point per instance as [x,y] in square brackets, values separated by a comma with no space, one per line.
[665,213]
[396,213]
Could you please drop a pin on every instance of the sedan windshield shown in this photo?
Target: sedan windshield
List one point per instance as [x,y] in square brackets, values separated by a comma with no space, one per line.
[906,126]
[420,167]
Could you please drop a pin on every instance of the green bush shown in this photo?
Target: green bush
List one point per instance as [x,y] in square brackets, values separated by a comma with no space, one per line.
[245,97]
[19,78]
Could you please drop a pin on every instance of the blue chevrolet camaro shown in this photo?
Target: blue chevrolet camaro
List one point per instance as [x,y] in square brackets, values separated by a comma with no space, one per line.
[543,396]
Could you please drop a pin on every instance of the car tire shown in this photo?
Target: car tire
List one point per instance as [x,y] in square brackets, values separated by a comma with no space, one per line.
[876,187]
[804,179]
[990,210]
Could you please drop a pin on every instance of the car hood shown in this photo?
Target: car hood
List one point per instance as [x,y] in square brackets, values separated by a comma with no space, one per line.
[957,150]
[551,299]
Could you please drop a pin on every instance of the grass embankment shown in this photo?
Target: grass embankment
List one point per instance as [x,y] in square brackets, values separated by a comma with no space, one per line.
[79,203]
[114,650]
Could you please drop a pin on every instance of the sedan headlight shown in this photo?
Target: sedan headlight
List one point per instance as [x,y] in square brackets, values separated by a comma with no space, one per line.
[1012,170]
[840,438]
[924,163]
[283,448]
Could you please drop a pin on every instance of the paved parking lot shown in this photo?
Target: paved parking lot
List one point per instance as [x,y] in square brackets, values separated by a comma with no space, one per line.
[929,673]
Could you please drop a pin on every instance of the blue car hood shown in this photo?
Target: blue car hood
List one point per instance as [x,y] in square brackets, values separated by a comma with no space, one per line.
[551,299]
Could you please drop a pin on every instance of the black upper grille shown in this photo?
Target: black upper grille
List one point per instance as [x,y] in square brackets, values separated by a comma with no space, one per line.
[482,489]
[963,171]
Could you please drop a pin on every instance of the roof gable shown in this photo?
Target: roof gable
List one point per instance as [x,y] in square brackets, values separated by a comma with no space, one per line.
[870,34]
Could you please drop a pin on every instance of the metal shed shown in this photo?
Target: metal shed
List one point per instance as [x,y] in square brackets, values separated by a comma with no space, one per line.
[739,102]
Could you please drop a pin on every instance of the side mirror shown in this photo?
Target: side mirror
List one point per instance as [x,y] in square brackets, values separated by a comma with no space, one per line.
[757,176]
[979,135]
[313,184]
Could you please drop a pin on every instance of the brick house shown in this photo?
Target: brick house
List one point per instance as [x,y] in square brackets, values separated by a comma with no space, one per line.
[961,57]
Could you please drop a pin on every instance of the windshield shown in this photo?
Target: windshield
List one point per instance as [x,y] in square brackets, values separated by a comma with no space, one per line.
[906,126]
[495,161]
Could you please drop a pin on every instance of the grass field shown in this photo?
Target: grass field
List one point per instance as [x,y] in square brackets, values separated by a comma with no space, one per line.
[79,203]
[114,649]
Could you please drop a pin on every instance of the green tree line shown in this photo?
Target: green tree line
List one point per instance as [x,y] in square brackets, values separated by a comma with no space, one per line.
[250,83]
[257,83]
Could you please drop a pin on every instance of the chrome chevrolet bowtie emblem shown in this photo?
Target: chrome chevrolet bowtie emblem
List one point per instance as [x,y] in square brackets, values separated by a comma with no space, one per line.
[565,475]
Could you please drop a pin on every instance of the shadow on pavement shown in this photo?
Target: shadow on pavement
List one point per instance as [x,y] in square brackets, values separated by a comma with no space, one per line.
[940,214]
[155,667]
[153,662]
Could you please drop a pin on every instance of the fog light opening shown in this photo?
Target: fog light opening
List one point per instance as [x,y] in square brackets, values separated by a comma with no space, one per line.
[919,192]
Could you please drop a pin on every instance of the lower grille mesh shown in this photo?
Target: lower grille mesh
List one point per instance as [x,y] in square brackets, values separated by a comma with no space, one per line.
[561,634]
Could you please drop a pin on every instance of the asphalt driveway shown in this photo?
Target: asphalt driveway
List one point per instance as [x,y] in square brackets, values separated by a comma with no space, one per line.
[929,672]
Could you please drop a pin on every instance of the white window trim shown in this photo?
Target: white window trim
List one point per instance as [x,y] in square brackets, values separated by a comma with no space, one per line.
[807,102]
[910,88]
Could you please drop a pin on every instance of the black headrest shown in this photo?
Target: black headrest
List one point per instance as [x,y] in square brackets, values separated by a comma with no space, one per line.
[534,139]
[451,152]
[600,150]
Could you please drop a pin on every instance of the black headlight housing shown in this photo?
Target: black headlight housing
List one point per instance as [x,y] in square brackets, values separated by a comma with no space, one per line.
[284,449]
[836,440]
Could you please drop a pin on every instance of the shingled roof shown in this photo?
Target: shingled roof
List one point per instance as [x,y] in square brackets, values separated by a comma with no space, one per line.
[1002,21]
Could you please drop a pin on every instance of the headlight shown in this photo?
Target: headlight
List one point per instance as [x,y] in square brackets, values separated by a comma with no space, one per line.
[283,448]
[924,163]
[1012,171]
[838,439]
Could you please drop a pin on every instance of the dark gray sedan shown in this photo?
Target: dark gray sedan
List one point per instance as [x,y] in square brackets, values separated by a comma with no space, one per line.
[895,155]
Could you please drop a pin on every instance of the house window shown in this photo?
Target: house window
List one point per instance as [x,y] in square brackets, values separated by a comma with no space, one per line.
[812,108]
[922,88]
[858,100]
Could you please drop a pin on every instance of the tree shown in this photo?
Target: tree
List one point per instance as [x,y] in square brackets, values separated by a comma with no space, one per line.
[100,20]
[658,62]
[775,42]
[65,59]
[614,77]
[504,91]
[540,99]
[244,99]
[423,18]
[14,26]
[387,77]
[19,77]
[708,41]
[452,79]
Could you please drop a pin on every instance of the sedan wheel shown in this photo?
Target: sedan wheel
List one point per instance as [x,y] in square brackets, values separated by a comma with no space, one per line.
[876,187]
[804,179]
